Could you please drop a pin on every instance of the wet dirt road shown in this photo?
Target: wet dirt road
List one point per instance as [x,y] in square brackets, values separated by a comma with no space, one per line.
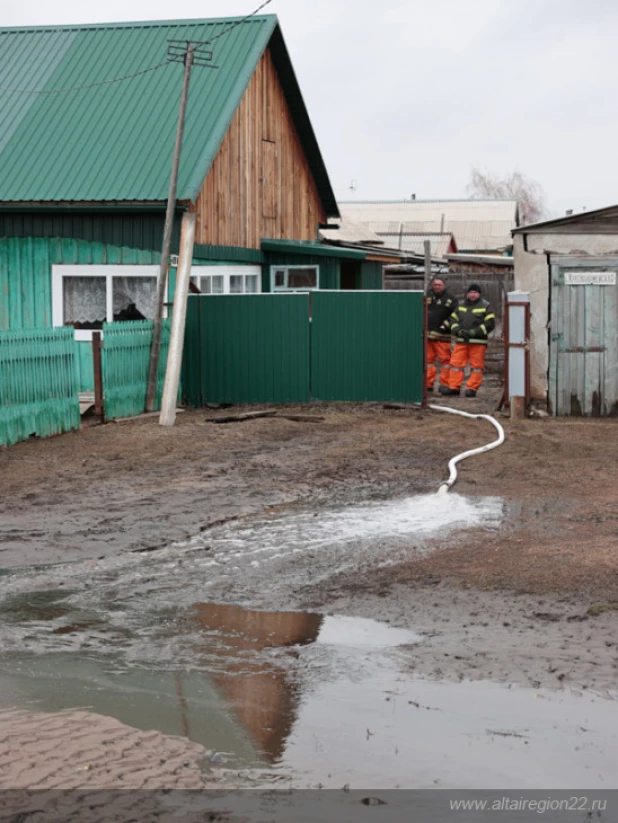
[303,629]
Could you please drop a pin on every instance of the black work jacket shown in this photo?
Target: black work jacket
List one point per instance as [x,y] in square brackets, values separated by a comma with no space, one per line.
[478,318]
[439,309]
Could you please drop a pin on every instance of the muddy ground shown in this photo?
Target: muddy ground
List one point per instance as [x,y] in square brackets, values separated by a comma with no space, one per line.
[533,602]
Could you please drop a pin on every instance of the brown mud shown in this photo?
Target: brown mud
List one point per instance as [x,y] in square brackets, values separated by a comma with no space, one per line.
[532,603]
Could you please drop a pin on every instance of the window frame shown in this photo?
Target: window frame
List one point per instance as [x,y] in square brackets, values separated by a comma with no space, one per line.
[287,269]
[59,272]
[227,272]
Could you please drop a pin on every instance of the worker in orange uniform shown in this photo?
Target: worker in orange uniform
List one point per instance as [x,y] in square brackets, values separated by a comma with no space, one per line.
[440,306]
[471,323]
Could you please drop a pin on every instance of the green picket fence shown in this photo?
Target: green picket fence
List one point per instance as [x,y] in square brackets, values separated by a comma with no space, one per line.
[38,384]
[124,363]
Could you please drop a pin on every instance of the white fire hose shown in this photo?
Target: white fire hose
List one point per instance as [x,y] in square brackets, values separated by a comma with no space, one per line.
[458,457]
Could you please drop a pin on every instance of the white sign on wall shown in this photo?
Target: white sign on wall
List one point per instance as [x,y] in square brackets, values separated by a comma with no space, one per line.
[590,278]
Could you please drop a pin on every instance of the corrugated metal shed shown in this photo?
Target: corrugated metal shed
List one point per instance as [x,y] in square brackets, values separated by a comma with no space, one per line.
[477,225]
[350,232]
[439,243]
[114,141]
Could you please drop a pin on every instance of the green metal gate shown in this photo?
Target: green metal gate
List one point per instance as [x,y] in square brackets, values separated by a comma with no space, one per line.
[292,348]
[251,348]
[367,346]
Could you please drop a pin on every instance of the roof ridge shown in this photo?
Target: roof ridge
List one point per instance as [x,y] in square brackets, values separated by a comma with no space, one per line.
[133,24]
[432,200]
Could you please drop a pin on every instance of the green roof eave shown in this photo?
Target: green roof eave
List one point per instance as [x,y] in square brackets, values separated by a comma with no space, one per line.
[90,206]
[311,248]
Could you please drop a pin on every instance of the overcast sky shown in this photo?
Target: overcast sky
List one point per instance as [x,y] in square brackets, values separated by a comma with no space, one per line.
[406,95]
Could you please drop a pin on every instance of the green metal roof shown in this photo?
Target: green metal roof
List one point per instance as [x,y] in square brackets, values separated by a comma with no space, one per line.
[311,248]
[114,142]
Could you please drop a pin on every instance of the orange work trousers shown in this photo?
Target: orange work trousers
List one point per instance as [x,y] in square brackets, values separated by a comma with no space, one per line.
[464,353]
[440,350]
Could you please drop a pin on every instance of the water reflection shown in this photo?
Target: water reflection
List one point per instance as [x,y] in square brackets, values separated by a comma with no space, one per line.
[257,689]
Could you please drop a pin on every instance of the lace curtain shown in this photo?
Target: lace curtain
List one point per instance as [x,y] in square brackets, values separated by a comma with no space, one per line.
[84,299]
[140,291]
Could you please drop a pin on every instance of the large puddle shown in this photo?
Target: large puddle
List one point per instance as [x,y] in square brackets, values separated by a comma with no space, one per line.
[307,700]
[262,560]
[283,697]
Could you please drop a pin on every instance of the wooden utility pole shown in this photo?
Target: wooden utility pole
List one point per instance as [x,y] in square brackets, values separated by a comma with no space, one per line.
[190,53]
[167,237]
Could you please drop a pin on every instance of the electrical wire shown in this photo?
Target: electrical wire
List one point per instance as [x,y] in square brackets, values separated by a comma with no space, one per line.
[239,22]
[128,76]
[90,86]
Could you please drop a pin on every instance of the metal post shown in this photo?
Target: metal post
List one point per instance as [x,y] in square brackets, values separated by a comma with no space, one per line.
[98,375]
[167,238]
[427,280]
[425,307]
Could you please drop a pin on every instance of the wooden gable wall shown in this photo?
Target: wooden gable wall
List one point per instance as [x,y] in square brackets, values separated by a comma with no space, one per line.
[260,184]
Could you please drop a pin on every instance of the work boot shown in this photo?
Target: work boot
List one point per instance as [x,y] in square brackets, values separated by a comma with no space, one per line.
[449,392]
[470,393]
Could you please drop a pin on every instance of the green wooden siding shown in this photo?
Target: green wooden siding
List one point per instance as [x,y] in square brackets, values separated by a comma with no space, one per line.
[84,366]
[38,386]
[329,267]
[25,273]
[130,229]
[228,254]
[367,346]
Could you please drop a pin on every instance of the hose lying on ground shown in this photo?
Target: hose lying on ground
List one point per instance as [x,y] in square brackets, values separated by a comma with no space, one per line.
[453,462]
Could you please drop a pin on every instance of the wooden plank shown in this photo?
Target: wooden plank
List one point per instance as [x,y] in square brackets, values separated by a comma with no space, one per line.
[98,377]
[230,204]
[241,418]
[593,389]
[578,359]
[270,179]
[554,357]
[610,358]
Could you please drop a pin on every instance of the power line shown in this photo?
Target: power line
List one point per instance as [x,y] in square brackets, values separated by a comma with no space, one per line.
[129,76]
[90,86]
[239,22]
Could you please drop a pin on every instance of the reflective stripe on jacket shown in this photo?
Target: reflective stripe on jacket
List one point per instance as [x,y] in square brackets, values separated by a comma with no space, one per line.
[477,318]
[439,309]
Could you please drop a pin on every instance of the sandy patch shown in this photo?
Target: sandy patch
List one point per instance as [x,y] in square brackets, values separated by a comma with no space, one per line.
[80,750]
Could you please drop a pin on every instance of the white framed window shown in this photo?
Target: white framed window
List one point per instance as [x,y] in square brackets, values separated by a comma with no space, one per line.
[227,279]
[294,278]
[87,296]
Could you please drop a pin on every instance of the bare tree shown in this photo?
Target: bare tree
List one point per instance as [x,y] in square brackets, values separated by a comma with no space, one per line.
[528,192]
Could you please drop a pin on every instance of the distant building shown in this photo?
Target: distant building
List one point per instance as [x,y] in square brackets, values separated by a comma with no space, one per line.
[475,226]
[569,266]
